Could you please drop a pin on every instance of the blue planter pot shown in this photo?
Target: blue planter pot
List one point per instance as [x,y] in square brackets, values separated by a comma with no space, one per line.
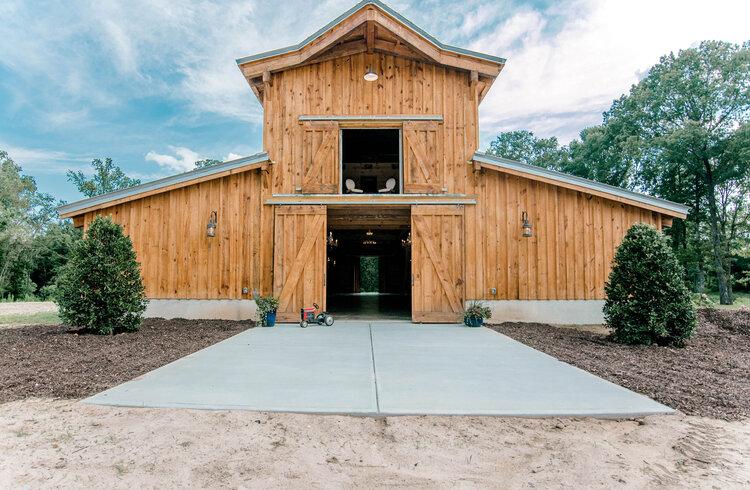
[270,319]
[474,321]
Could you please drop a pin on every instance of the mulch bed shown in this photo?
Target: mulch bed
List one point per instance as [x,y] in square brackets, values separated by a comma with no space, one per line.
[710,376]
[54,361]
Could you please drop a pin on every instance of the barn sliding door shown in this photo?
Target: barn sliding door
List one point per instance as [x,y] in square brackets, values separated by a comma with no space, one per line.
[423,169]
[437,263]
[299,259]
[320,157]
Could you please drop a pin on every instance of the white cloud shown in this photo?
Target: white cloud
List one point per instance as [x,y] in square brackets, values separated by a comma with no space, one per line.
[46,161]
[183,159]
[558,81]
[233,156]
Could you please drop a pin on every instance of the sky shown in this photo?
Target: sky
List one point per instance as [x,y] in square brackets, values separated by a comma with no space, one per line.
[154,84]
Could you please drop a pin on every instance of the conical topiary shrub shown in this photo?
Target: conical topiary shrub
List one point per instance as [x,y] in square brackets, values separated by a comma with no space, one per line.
[100,288]
[647,300]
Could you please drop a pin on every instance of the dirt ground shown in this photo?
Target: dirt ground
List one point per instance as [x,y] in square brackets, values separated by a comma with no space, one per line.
[64,443]
[50,361]
[709,377]
[46,442]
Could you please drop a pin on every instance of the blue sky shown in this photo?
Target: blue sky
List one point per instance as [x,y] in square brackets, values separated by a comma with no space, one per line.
[154,85]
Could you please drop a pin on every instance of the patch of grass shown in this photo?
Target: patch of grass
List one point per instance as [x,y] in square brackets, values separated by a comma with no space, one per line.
[40,318]
[740,299]
[120,468]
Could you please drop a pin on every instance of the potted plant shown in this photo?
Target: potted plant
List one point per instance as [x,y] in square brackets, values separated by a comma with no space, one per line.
[267,306]
[476,314]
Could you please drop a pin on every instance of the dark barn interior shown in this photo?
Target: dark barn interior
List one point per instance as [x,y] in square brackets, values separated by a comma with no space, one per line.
[378,286]
[370,158]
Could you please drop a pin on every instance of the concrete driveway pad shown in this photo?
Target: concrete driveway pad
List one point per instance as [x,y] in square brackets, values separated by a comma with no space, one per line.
[378,368]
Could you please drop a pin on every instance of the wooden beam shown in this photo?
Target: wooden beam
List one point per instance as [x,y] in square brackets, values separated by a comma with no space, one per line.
[370,36]
[339,51]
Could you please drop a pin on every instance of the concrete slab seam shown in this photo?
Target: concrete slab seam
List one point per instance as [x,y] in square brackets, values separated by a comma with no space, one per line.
[374,369]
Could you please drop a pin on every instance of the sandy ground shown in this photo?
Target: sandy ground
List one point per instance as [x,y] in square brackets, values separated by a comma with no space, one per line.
[47,443]
[27,307]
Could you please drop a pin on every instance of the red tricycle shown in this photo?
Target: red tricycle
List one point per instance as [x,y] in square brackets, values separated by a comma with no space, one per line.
[310,315]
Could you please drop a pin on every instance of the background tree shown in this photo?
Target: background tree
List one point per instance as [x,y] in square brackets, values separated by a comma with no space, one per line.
[100,289]
[687,123]
[208,162]
[524,147]
[681,133]
[25,215]
[107,177]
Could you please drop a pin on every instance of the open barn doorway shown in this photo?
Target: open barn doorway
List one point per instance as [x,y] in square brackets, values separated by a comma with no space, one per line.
[369,262]
[371,161]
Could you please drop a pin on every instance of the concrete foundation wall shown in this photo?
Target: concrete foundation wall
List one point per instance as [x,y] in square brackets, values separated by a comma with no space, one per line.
[202,309]
[561,312]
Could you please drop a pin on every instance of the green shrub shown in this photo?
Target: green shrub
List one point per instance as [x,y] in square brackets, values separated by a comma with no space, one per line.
[647,300]
[100,288]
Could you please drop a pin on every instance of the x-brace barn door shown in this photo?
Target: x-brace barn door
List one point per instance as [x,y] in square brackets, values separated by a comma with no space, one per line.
[423,168]
[299,259]
[437,262]
[320,157]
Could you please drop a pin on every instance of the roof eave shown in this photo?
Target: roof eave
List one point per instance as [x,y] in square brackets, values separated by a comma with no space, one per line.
[79,207]
[668,207]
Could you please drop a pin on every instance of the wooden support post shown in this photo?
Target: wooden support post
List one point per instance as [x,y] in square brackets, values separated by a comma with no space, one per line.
[370,36]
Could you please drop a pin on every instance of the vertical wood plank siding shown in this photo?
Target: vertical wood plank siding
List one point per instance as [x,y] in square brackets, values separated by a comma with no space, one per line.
[574,234]
[178,260]
[405,87]
[569,256]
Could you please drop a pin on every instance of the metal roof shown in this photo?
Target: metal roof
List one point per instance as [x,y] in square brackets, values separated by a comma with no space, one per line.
[389,11]
[165,182]
[580,181]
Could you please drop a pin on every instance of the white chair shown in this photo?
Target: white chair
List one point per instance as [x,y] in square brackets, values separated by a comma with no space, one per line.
[390,184]
[352,187]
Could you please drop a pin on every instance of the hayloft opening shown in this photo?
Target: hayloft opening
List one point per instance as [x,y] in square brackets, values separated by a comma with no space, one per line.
[371,161]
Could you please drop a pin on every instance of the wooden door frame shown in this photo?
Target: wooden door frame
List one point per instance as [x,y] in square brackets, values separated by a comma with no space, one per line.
[399,128]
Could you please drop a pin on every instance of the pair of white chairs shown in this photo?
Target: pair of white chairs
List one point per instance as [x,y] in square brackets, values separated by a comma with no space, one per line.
[390,184]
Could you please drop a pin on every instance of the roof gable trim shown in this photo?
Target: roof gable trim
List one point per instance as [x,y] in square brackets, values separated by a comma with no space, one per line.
[75,208]
[388,10]
[669,207]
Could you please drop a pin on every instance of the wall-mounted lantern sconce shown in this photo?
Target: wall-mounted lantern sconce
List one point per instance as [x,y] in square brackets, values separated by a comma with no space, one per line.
[332,242]
[212,222]
[370,75]
[527,233]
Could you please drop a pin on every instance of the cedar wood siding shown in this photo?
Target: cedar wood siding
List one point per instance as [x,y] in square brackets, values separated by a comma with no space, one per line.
[574,234]
[179,261]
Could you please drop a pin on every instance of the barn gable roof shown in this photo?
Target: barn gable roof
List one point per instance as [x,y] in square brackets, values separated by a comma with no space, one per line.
[585,185]
[162,185]
[367,12]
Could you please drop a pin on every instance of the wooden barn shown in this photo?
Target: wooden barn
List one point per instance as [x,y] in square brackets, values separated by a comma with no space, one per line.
[370,132]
